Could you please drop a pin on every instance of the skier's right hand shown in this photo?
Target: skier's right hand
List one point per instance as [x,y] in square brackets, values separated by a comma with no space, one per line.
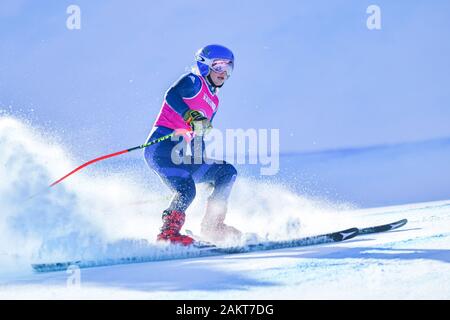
[199,123]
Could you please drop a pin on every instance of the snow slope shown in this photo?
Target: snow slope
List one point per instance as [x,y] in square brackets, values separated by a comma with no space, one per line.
[102,211]
[411,263]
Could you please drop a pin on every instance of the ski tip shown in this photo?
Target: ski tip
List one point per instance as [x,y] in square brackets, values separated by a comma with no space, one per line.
[383,227]
[399,223]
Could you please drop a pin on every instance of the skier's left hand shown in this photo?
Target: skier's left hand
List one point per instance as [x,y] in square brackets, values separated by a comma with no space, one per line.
[200,124]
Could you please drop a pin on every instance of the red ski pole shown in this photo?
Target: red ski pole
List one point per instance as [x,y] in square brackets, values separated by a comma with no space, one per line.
[110,156]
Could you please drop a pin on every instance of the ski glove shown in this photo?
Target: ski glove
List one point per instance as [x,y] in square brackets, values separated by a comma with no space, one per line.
[199,123]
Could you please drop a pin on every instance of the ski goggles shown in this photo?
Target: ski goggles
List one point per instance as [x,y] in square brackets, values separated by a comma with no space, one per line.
[222,65]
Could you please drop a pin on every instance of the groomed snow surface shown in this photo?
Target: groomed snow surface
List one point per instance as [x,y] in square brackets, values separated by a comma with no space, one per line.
[103,212]
[409,263]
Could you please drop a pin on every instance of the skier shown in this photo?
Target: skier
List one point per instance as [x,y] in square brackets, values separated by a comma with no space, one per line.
[189,107]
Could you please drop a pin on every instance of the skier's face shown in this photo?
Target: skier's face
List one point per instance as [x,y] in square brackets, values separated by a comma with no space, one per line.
[218,78]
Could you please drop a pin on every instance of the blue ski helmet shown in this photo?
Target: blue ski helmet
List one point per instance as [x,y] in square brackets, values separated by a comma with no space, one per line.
[206,56]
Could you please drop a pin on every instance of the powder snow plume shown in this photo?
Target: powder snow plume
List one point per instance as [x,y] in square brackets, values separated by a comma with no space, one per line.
[97,213]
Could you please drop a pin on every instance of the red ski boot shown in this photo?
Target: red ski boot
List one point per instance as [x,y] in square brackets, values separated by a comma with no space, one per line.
[170,231]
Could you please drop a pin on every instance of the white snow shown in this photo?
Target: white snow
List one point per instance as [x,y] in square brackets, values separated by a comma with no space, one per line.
[98,213]
[410,263]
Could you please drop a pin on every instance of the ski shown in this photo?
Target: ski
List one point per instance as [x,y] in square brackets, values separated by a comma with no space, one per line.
[383,227]
[202,249]
[205,249]
[301,242]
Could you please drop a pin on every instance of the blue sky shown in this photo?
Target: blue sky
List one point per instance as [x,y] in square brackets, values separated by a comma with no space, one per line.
[310,68]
